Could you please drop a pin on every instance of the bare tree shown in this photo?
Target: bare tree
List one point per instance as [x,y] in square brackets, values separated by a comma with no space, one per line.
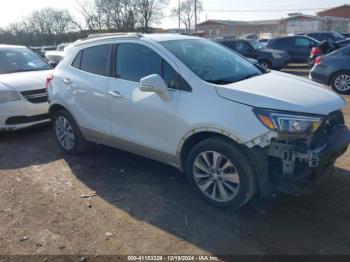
[92,15]
[186,12]
[150,11]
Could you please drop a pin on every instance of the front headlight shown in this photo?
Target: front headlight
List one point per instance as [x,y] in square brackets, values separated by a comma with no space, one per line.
[276,55]
[9,96]
[288,122]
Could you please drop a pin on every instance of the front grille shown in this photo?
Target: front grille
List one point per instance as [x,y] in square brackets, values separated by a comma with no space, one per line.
[35,96]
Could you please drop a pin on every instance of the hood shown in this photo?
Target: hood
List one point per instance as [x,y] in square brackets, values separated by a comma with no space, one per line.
[25,81]
[281,91]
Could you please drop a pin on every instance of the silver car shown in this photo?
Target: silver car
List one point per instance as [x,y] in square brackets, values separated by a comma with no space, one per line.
[235,128]
[23,98]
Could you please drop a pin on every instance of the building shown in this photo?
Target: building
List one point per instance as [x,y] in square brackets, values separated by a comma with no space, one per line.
[215,28]
[334,19]
[339,11]
[301,23]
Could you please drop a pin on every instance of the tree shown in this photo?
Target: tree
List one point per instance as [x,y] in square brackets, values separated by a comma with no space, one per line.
[187,12]
[150,11]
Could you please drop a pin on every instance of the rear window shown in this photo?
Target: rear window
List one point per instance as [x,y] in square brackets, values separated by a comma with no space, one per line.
[95,60]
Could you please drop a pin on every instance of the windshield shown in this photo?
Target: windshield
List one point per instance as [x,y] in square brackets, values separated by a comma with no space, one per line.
[212,62]
[257,45]
[20,60]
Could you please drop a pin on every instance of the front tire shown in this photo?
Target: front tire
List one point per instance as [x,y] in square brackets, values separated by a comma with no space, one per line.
[67,133]
[265,64]
[340,82]
[221,173]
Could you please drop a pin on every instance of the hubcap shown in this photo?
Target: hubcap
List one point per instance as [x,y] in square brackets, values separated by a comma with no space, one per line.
[216,176]
[342,83]
[64,133]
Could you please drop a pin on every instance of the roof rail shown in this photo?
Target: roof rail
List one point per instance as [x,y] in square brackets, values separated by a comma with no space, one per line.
[131,34]
[97,37]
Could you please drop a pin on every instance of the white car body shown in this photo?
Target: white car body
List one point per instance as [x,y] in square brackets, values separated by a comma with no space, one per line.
[31,108]
[118,113]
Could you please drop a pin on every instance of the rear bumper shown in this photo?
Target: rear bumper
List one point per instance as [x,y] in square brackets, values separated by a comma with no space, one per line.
[321,74]
[307,174]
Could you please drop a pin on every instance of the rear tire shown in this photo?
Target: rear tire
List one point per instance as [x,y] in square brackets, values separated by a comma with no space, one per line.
[221,173]
[67,133]
[340,82]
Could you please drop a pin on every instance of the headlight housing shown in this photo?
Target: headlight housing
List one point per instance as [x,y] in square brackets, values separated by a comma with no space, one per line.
[289,123]
[8,96]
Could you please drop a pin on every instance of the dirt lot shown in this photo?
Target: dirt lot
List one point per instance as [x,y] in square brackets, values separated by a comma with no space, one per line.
[144,207]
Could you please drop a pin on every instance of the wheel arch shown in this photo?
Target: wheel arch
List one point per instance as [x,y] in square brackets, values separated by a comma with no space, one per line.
[56,107]
[195,136]
[256,155]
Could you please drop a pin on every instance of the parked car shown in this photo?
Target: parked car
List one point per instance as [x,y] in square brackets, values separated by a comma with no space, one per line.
[55,57]
[236,129]
[44,49]
[324,48]
[268,58]
[23,99]
[334,70]
[298,47]
[346,35]
[326,36]
[264,41]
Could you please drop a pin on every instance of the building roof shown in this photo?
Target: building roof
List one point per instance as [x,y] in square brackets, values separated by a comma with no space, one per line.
[333,8]
[230,22]
[316,17]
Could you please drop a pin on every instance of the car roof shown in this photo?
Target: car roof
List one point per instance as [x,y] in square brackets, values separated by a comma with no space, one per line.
[11,46]
[294,36]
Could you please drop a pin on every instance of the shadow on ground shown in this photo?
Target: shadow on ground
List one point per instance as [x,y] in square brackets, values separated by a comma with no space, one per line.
[160,196]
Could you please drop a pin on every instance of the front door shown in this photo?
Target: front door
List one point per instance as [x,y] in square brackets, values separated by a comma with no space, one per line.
[142,119]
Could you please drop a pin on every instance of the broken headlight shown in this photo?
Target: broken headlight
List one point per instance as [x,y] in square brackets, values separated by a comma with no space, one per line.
[286,122]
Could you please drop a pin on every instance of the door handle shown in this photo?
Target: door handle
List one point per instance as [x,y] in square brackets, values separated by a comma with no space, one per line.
[115,94]
[67,81]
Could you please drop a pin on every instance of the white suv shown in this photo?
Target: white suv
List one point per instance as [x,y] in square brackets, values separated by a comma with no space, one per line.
[235,128]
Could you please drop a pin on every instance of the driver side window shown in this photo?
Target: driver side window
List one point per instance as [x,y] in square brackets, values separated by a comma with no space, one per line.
[135,61]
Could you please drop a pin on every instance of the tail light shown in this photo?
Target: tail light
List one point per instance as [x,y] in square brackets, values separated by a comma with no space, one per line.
[48,80]
[319,60]
[315,51]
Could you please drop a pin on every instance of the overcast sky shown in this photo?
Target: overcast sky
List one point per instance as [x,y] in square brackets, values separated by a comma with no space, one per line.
[14,10]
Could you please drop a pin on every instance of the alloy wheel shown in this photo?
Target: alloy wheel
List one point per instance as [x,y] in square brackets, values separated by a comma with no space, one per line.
[216,176]
[64,132]
[342,83]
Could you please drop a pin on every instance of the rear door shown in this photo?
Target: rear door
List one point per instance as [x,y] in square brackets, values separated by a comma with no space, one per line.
[303,48]
[86,84]
[284,44]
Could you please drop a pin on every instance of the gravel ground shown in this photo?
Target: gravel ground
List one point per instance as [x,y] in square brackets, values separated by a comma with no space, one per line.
[139,206]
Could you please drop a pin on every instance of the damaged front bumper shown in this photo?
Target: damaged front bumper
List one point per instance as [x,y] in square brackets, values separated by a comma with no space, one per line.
[293,166]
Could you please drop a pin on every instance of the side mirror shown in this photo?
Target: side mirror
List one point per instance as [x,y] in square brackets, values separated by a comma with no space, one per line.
[155,83]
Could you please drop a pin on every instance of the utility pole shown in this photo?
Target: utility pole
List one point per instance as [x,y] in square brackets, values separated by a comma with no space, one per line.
[195,16]
[179,16]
